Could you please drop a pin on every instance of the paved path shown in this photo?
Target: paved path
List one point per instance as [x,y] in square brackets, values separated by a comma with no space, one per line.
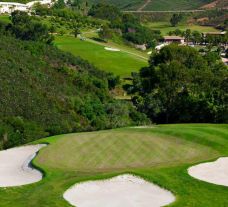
[144,5]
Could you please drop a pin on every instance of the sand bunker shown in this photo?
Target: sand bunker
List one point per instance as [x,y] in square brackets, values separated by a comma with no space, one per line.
[112,49]
[124,190]
[15,169]
[144,127]
[213,172]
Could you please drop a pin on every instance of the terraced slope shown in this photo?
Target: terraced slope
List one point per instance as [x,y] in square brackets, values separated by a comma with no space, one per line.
[175,5]
[157,5]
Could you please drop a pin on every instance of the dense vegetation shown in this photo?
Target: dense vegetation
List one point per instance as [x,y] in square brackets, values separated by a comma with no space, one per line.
[196,37]
[123,25]
[157,5]
[176,5]
[45,91]
[181,85]
[215,17]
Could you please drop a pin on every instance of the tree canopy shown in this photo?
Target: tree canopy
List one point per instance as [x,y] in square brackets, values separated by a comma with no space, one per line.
[181,85]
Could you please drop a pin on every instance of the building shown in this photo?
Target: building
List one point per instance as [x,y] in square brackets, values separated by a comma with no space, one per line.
[9,7]
[173,39]
[214,33]
[225,61]
[42,2]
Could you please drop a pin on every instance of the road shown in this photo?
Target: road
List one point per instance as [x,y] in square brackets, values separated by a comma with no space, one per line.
[178,11]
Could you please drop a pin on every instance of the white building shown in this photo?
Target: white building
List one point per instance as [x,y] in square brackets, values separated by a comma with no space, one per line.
[174,39]
[42,2]
[9,7]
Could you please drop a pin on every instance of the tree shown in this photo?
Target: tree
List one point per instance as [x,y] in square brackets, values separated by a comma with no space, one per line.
[180,85]
[196,37]
[76,32]
[26,27]
[60,4]
[187,35]
[175,19]
[105,33]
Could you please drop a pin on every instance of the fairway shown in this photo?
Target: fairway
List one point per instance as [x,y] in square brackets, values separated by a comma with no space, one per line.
[120,63]
[5,18]
[161,154]
[165,27]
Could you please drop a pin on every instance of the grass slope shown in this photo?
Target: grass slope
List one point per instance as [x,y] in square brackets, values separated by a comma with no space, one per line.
[157,5]
[120,63]
[165,27]
[175,5]
[161,155]
[123,4]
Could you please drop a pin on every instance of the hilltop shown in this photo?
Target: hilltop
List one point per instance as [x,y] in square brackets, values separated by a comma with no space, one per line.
[163,5]
[155,5]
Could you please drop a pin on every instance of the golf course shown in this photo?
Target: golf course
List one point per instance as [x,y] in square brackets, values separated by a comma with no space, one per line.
[165,27]
[109,103]
[120,63]
[160,154]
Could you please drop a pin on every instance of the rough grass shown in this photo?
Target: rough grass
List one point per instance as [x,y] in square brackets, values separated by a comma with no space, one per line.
[181,145]
[157,5]
[120,63]
[175,5]
[165,27]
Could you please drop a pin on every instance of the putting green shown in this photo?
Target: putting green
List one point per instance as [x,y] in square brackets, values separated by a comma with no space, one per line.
[161,154]
[115,150]
[120,63]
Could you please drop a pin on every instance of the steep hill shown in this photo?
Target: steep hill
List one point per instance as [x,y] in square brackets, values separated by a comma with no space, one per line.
[46,91]
[164,5]
[216,4]
[157,5]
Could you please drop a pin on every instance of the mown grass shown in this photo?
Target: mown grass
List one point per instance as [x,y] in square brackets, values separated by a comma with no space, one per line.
[98,155]
[4,18]
[165,27]
[120,63]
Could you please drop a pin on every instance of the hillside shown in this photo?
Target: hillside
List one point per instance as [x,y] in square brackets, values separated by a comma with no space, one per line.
[123,4]
[157,5]
[18,1]
[164,5]
[45,91]
[218,3]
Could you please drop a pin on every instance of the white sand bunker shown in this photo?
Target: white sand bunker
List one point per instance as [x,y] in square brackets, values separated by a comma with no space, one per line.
[213,172]
[15,169]
[121,191]
[144,127]
[112,49]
